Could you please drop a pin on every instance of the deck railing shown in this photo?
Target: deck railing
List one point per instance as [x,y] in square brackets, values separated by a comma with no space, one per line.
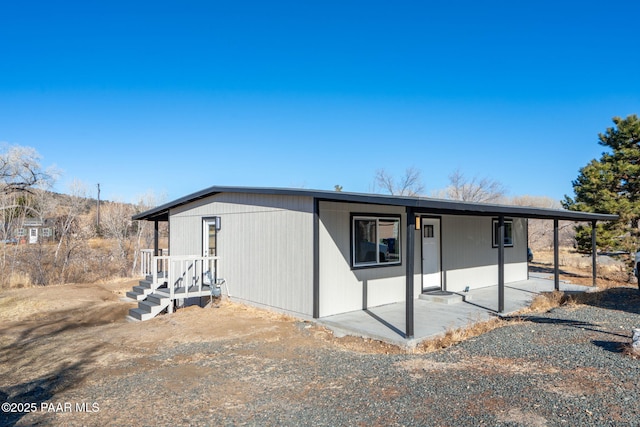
[147,264]
[186,275]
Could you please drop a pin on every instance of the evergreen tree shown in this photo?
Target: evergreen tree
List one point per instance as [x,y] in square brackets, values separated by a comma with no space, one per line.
[611,185]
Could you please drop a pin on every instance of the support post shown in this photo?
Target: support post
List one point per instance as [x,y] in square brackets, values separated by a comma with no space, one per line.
[556,256]
[316,258]
[594,252]
[409,261]
[156,238]
[501,264]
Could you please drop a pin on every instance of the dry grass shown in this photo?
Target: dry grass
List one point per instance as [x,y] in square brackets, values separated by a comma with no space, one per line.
[629,351]
[17,280]
[578,268]
[547,301]
[100,244]
[16,309]
[455,336]
[254,310]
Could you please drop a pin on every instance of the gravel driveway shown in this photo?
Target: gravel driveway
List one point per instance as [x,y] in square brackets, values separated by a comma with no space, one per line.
[562,368]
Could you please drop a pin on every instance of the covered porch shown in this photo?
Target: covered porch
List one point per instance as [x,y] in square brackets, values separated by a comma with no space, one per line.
[503,299]
[431,319]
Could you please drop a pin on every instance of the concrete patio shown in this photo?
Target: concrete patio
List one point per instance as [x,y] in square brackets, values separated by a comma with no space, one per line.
[387,323]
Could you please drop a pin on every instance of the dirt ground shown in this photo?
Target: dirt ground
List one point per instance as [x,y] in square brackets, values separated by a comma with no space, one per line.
[56,342]
[56,339]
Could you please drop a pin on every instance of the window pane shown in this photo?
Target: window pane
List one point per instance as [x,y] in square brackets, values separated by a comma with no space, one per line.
[365,241]
[212,239]
[508,233]
[389,248]
[428,231]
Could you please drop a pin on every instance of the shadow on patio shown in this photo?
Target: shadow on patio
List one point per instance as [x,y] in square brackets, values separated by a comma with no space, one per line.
[431,319]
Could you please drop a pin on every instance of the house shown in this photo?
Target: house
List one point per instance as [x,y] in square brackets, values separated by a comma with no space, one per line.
[29,230]
[314,253]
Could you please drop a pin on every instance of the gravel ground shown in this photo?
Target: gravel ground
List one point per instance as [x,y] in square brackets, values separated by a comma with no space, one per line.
[562,368]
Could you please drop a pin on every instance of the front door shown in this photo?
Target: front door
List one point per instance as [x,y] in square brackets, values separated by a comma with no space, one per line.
[33,235]
[209,236]
[431,272]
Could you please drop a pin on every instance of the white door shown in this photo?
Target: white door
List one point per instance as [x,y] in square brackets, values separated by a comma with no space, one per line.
[209,238]
[431,274]
[33,235]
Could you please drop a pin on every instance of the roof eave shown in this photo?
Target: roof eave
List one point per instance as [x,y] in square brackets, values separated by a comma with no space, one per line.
[161,213]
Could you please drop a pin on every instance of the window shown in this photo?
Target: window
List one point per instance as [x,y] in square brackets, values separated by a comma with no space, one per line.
[46,232]
[428,231]
[508,233]
[376,241]
[21,232]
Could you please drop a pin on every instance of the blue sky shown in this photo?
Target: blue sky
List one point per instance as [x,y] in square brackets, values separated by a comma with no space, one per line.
[173,97]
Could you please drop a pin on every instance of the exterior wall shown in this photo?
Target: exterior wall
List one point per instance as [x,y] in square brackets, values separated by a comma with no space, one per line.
[343,289]
[266,249]
[265,244]
[468,258]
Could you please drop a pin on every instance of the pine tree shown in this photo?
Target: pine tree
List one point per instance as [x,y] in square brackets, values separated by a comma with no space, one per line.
[611,185]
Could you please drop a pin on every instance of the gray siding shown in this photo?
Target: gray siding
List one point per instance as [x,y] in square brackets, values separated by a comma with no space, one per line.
[266,245]
[265,242]
[468,258]
[343,289]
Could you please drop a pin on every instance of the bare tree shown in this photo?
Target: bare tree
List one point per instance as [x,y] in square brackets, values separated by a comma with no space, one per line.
[20,170]
[143,230]
[116,224]
[11,220]
[477,190]
[71,236]
[410,184]
[540,230]
[21,177]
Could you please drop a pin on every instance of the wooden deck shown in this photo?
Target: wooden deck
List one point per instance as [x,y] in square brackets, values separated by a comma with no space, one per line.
[171,279]
[181,293]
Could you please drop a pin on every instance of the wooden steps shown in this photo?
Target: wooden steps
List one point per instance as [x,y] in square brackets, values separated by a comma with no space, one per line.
[153,305]
[141,291]
[154,299]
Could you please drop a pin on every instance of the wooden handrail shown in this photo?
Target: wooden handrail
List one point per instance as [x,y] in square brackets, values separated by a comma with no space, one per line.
[186,271]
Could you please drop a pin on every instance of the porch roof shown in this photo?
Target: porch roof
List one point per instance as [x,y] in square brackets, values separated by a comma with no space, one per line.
[419,204]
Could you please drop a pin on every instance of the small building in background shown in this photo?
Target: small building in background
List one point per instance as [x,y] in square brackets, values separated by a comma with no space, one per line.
[33,230]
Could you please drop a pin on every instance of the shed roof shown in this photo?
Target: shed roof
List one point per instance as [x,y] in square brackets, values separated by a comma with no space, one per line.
[420,204]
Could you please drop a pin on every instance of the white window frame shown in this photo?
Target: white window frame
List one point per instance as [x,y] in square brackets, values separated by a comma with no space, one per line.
[377,262]
[508,233]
